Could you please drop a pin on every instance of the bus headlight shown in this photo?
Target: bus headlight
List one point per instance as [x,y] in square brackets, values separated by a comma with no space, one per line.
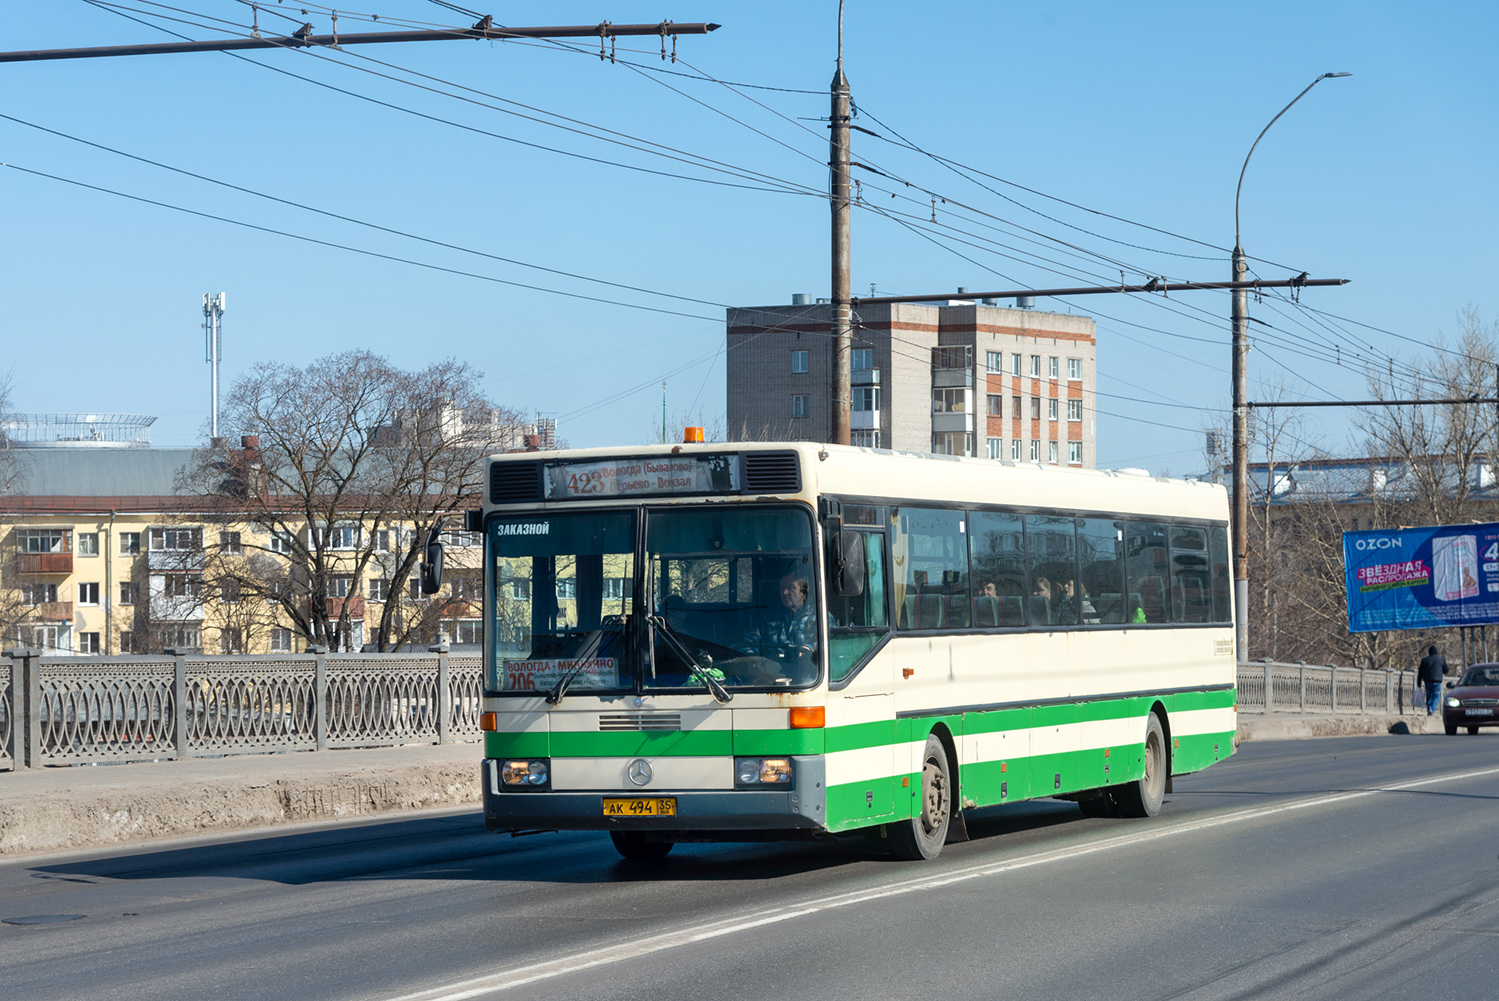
[762,771]
[525,773]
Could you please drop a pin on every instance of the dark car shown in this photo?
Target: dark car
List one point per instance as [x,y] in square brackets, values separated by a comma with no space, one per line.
[1474,701]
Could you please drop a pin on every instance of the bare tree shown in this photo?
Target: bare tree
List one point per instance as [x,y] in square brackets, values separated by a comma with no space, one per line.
[344,468]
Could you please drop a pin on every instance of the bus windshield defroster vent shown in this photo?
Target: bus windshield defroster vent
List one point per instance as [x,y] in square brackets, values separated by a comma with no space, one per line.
[771,473]
[514,482]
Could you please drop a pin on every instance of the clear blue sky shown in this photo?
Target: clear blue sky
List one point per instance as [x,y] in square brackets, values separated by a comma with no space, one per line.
[1384,178]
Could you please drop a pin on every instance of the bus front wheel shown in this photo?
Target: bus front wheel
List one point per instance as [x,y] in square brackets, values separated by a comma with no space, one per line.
[922,836]
[1143,798]
[633,845]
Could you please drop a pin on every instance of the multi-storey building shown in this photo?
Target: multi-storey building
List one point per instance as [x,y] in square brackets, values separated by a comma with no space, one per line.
[102,552]
[956,378]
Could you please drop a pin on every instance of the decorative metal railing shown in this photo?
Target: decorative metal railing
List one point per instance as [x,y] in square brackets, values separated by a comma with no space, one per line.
[1317,688]
[57,711]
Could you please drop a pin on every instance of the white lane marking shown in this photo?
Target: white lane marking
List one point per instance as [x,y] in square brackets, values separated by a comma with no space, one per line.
[588,959]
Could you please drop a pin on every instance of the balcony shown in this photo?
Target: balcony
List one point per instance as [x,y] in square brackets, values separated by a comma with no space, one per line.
[864,420]
[54,611]
[46,563]
[176,560]
[335,607]
[952,422]
[950,378]
[865,377]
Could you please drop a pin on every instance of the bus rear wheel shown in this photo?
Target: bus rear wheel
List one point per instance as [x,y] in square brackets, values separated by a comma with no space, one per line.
[922,836]
[1143,798]
[633,845]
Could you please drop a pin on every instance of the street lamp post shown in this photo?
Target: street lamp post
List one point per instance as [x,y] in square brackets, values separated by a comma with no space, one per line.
[1241,412]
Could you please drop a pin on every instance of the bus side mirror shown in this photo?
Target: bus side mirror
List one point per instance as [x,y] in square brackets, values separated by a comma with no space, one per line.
[847,575]
[432,565]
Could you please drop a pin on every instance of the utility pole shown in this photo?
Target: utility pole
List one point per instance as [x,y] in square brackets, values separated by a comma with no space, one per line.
[838,163]
[213,350]
[1240,320]
[1240,374]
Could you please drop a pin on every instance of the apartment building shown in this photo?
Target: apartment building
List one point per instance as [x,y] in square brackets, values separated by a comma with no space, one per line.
[100,553]
[959,377]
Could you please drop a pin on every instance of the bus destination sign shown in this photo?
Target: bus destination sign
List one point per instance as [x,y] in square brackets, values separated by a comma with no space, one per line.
[668,474]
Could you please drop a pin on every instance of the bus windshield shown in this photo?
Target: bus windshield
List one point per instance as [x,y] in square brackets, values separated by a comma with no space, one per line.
[728,594]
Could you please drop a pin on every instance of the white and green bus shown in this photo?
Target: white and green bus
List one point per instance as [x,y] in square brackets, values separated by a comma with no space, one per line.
[721,642]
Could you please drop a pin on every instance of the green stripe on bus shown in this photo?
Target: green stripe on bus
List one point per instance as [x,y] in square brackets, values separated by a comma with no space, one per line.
[517,745]
[759,742]
[860,735]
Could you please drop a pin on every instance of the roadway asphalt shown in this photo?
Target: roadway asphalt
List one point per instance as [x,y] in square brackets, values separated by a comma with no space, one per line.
[1354,867]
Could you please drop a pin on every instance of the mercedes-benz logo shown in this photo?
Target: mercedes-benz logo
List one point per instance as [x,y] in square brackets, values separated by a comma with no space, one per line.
[639,771]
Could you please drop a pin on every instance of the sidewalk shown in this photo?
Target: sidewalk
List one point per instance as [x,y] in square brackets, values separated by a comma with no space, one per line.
[61,809]
[94,806]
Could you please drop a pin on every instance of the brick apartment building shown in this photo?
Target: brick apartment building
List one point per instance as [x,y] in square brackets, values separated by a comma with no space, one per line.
[963,377]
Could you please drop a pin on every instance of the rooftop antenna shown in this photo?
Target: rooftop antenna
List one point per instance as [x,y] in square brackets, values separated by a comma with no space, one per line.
[213,350]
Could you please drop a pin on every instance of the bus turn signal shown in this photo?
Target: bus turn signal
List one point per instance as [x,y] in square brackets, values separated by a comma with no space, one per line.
[808,717]
[489,722]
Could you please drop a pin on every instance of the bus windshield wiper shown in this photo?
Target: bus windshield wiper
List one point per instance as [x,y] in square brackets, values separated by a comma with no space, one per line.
[610,623]
[703,674]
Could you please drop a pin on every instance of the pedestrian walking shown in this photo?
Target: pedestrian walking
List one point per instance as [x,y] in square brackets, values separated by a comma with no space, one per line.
[1433,666]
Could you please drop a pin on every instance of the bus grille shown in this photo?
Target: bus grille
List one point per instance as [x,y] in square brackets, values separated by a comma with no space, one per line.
[771,473]
[514,482]
[640,721]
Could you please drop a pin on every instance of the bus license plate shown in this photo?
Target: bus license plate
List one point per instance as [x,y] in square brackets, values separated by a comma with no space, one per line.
[640,807]
[1480,712]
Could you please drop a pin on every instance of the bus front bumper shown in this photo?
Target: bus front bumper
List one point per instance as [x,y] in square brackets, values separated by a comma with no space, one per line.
[801,808]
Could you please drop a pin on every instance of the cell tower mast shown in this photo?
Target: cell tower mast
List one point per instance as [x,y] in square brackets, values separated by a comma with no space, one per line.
[213,350]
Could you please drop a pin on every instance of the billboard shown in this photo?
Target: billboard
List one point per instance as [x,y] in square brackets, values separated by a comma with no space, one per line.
[1422,578]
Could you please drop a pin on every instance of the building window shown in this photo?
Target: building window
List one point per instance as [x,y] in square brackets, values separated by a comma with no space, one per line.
[1015,364]
[861,360]
[181,585]
[127,641]
[88,643]
[1051,408]
[340,585]
[1015,448]
[1051,452]
[615,588]
[382,540]
[1035,408]
[1015,407]
[952,443]
[1035,450]
[38,594]
[128,591]
[520,590]
[1074,410]
[460,539]
[949,401]
[229,542]
[1075,369]
[995,409]
[341,537]
[229,640]
[45,540]
[229,592]
[379,588]
[280,640]
[88,594]
[1075,453]
[1035,365]
[799,362]
[130,543]
[994,361]
[952,357]
[469,631]
[996,448]
[866,399]
[864,439]
[281,542]
[1051,367]
[799,406]
[181,634]
[176,539]
[88,543]
[414,589]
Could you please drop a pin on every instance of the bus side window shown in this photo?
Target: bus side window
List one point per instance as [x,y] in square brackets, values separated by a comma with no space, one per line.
[1222,586]
[931,568]
[1147,573]
[856,625]
[1100,544]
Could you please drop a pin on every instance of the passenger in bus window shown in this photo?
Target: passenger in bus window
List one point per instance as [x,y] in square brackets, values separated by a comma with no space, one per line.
[1041,602]
[986,606]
